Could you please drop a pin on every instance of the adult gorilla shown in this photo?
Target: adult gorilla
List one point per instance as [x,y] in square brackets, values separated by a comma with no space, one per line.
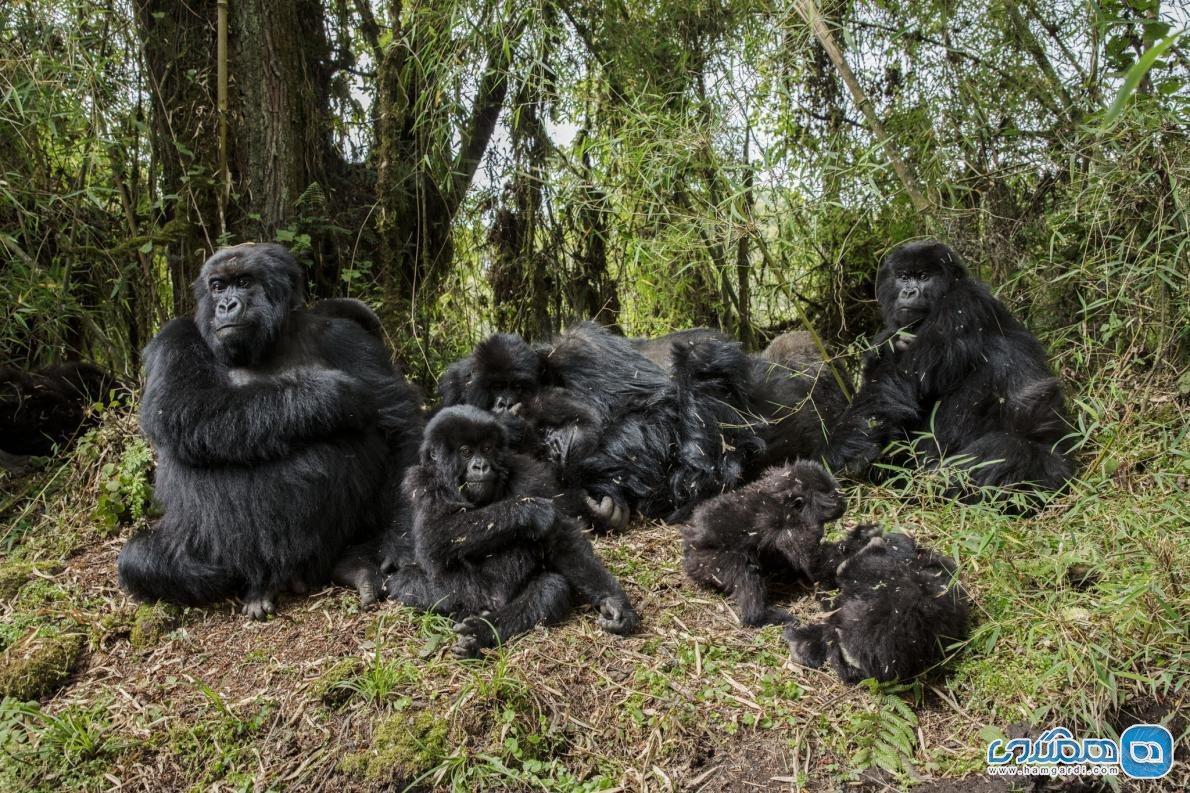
[278,431]
[951,361]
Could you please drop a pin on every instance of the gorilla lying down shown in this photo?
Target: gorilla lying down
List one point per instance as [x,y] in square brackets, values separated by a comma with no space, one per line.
[899,607]
[491,547]
[280,432]
[645,440]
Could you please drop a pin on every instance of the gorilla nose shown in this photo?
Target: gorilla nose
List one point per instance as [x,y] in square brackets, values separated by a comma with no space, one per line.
[228,309]
[909,292]
[480,466]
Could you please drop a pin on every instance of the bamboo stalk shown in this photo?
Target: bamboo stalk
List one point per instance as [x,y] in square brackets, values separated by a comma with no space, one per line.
[809,12]
[221,100]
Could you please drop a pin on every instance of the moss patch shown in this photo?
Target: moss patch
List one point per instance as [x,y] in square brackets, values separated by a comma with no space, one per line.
[404,746]
[12,577]
[330,688]
[37,665]
[152,622]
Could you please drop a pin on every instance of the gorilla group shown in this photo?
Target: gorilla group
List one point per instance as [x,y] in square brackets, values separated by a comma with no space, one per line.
[291,453]
[280,434]
[643,433]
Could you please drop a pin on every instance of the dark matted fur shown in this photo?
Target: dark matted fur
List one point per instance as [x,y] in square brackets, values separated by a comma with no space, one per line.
[952,361]
[277,431]
[502,560]
[899,607]
[45,409]
[769,530]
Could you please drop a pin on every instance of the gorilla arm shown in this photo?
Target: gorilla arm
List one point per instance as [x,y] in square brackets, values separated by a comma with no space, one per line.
[447,528]
[192,409]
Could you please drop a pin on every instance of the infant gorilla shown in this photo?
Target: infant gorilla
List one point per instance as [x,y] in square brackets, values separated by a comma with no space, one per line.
[771,528]
[898,608]
[491,547]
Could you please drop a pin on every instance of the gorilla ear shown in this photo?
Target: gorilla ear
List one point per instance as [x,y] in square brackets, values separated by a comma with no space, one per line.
[297,287]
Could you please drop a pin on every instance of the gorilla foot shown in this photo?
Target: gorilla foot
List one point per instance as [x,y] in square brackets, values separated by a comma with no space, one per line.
[259,608]
[360,574]
[475,633]
[617,616]
[610,513]
[807,645]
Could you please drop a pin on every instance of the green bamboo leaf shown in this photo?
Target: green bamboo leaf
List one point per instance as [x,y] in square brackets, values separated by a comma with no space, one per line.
[1135,75]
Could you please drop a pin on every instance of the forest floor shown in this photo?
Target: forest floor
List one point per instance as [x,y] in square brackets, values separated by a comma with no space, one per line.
[1081,621]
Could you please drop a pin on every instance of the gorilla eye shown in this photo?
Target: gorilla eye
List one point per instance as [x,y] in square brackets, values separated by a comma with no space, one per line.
[216,285]
[923,276]
[487,448]
[243,281]
[465,451]
[902,276]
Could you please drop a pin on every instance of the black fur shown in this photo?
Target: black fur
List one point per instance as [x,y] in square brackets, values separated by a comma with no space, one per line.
[899,607]
[770,530]
[667,442]
[953,362]
[45,409]
[491,547]
[277,432]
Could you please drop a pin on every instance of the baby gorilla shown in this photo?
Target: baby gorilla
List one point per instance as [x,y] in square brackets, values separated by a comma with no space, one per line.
[491,547]
[898,608]
[771,528]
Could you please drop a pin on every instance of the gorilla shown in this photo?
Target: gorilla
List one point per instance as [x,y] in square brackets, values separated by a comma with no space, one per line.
[951,362]
[491,548]
[666,441]
[45,409]
[770,529]
[278,430]
[899,607]
[788,395]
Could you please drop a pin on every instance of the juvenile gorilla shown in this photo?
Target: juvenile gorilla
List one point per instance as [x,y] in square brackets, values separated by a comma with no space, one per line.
[491,547]
[897,610]
[277,431]
[768,530]
[952,361]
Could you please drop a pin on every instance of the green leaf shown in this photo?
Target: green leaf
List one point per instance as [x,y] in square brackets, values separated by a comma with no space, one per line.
[1134,76]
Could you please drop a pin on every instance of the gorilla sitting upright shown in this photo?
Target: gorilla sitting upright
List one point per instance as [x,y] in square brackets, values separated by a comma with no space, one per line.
[953,365]
[279,432]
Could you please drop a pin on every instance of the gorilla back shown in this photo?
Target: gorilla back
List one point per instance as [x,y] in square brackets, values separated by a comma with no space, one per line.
[278,431]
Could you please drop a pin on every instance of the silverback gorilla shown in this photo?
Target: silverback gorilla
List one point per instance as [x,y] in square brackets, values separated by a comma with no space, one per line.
[953,362]
[280,432]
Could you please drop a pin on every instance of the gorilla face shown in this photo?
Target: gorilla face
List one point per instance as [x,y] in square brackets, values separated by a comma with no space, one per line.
[244,295]
[468,448]
[913,279]
[809,488]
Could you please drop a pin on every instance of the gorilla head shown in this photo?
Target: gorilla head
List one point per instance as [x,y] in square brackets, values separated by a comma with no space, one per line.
[469,449]
[502,373]
[244,295]
[567,427]
[913,278]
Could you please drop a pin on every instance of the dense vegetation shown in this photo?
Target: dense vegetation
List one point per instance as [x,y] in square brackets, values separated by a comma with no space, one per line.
[464,167]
